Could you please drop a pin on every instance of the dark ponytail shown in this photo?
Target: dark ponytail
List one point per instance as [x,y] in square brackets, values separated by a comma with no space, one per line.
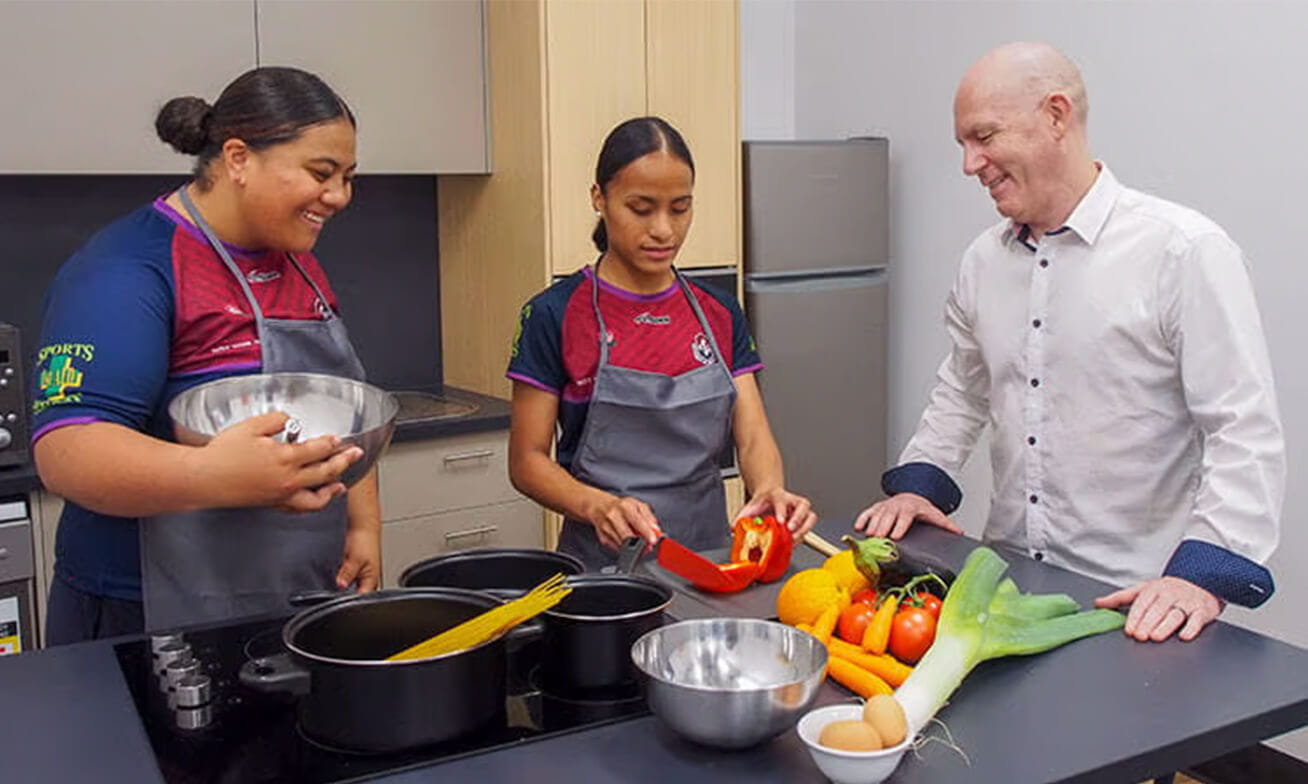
[634,139]
[263,107]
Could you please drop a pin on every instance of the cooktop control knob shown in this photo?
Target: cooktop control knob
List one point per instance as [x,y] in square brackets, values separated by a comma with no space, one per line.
[194,718]
[6,438]
[178,670]
[191,692]
[167,654]
[158,641]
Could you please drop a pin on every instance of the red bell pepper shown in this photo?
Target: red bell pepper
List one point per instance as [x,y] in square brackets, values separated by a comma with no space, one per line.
[764,541]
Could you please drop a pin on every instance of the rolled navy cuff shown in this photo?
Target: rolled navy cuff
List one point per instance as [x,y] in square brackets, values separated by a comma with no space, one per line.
[1225,574]
[926,480]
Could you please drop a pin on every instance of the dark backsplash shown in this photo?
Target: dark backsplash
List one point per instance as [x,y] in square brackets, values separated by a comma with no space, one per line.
[380,255]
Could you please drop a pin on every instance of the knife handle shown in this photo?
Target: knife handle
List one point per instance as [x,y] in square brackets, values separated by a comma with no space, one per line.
[816,541]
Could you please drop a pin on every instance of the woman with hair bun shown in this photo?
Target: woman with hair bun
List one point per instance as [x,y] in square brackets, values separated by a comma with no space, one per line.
[214,279]
[644,413]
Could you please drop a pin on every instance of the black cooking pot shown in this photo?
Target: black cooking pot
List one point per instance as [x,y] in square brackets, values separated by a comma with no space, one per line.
[503,571]
[351,698]
[588,636]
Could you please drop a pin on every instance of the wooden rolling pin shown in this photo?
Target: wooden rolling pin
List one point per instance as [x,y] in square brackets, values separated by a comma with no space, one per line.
[814,540]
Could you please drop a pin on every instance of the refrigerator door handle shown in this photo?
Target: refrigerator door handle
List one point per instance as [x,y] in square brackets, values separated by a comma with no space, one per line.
[808,281]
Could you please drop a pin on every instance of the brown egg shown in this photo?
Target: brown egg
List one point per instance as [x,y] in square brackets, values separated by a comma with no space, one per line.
[886,716]
[850,735]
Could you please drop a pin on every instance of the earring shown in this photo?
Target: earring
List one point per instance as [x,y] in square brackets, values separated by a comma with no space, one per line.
[598,214]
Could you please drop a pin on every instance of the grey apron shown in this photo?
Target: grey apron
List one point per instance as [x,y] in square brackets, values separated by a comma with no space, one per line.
[216,564]
[656,438]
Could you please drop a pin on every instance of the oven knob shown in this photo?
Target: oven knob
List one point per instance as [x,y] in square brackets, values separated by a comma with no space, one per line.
[6,438]
[178,670]
[191,692]
[158,641]
[9,371]
[194,718]
[167,654]
[11,417]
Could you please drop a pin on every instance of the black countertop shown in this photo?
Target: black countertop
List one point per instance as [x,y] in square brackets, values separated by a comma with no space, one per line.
[1101,709]
[492,414]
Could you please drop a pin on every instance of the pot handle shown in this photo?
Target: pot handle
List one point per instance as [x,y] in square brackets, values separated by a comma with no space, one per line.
[312,597]
[275,674]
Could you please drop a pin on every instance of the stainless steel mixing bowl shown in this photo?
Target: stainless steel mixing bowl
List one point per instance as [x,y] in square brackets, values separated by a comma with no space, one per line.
[730,682]
[361,414]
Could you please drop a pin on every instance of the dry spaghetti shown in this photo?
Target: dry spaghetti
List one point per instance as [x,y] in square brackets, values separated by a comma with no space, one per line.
[491,623]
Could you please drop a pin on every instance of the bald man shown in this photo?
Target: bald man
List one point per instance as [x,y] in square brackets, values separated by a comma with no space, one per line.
[1112,341]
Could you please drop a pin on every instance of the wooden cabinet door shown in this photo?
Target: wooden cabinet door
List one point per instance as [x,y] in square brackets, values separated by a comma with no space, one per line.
[595,67]
[84,79]
[692,77]
[413,72]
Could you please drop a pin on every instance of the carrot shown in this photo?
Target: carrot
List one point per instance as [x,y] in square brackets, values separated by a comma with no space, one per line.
[825,624]
[856,679]
[886,667]
[877,634]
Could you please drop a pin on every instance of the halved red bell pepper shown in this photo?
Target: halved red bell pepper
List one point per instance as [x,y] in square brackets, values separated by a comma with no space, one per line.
[765,541]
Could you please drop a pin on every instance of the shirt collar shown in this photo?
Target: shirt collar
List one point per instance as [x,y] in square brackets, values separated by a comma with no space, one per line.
[1090,215]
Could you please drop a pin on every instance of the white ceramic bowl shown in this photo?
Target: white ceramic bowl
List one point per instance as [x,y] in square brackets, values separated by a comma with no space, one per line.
[847,767]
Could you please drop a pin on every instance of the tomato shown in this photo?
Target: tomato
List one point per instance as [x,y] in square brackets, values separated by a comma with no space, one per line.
[866,596]
[911,633]
[853,621]
[930,603]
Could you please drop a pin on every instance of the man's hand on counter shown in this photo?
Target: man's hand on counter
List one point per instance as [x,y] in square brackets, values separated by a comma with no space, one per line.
[1160,607]
[893,516]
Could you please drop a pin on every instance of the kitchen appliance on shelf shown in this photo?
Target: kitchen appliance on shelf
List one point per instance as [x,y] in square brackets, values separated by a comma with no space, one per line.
[13,399]
[816,292]
[204,725]
[17,578]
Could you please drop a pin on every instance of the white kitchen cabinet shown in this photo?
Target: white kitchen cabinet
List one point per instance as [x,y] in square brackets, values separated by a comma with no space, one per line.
[413,72]
[84,79]
[406,542]
[452,493]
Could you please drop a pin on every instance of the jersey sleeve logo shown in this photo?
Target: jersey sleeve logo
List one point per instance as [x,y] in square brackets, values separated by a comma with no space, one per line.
[517,334]
[58,376]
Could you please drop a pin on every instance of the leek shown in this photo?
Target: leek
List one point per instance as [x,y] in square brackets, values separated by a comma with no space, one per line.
[983,618]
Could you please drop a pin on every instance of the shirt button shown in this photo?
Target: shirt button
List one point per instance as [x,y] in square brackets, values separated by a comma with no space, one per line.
[1035,382]
[1040,556]
[1044,262]
[1031,440]
[1034,499]
[1036,323]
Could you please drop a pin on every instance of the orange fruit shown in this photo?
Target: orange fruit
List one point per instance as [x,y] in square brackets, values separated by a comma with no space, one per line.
[806,594]
[847,574]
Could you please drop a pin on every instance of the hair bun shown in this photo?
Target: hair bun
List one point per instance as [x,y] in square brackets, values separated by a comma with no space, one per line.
[183,123]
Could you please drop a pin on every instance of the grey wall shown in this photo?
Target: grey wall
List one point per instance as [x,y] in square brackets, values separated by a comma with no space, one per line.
[380,255]
[1196,101]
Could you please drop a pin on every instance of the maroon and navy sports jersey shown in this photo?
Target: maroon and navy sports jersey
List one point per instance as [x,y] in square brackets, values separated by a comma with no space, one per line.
[144,310]
[557,345]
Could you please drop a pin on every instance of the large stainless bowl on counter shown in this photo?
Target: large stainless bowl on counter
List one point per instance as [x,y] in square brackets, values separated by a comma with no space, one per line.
[361,414]
[730,682]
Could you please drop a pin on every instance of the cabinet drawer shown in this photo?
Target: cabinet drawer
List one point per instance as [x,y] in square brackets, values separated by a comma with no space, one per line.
[406,542]
[441,475]
[15,551]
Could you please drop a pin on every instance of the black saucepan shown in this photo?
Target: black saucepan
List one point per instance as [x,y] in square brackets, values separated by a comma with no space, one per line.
[503,571]
[351,698]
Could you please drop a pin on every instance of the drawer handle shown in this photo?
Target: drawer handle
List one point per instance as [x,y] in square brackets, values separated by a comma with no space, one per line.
[485,530]
[477,455]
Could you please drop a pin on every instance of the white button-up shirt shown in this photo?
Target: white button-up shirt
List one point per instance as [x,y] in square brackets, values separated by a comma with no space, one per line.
[1121,363]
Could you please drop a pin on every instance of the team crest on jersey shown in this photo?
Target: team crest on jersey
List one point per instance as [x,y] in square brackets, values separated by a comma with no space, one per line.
[701,349]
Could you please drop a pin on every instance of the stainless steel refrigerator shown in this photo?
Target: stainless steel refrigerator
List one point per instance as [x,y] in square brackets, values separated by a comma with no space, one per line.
[816,293]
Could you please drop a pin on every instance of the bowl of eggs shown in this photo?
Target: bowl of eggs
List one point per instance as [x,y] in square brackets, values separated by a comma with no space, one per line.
[856,744]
